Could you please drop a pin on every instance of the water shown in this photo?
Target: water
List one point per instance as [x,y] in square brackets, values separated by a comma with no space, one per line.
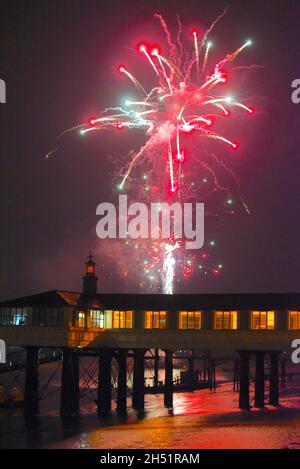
[201,419]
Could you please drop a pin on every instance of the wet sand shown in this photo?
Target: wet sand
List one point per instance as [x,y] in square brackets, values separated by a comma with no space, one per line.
[201,419]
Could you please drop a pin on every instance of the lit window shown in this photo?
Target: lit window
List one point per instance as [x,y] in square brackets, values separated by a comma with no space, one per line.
[226,320]
[155,319]
[294,320]
[263,320]
[13,316]
[122,319]
[80,319]
[189,319]
[20,317]
[97,318]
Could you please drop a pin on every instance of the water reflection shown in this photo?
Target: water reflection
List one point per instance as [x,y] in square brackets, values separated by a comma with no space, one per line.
[200,419]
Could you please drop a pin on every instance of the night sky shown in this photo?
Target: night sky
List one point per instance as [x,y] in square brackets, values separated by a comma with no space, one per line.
[59,59]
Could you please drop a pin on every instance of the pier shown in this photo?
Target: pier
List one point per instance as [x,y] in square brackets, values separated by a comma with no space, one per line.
[252,331]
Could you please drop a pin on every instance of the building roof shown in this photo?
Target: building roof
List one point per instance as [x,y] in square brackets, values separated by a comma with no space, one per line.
[202,301]
[52,298]
[227,301]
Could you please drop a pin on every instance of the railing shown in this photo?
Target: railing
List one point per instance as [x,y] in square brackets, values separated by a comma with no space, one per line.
[16,358]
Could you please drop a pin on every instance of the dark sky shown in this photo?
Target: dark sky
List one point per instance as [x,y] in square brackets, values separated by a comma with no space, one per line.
[58,59]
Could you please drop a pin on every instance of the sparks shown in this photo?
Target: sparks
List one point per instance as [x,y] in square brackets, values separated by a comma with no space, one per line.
[169,265]
[171,92]
[187,103]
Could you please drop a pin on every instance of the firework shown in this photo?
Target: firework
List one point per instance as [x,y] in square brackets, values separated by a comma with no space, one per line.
[184,105]
[180,104]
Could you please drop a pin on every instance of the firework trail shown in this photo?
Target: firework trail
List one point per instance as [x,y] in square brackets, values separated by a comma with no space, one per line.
[169,267]
[186,103]
[212,26]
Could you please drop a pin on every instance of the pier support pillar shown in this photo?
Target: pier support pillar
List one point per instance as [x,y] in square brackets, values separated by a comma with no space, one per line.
[31,404]
[104,383]
[122,381]
[138,388]
[190,377]
[212,375]
[168,390]
[244,380]
[259,397]
[69,397]
[235,376]
[283,374]
[156,368]
[205,366]
[274,379]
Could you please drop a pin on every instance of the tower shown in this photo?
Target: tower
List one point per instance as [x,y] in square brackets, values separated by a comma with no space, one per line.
[90,279]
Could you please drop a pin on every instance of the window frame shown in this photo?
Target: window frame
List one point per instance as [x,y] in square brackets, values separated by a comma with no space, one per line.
[158,319]
[297,320]
[101,319]
[123,320]
[47,317]
[9,315]
[79,316]
[260,324]
[190,320]
[232,317]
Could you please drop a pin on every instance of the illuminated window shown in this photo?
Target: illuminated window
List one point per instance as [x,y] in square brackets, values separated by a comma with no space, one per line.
[155,319]
[13,316]
[225,320]
[262,320]
[122,319]
[90,269]
[189,319]
[294,320]
[80,319]
[97,318]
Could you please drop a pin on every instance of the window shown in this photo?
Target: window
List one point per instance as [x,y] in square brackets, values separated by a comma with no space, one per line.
[294,320]
[122,319]
[80,319]
[19,317]
[48,317]
[263,320]
[189,319]
[97,318]
[13,316]
[5,317]
[225,320]
[155,319]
